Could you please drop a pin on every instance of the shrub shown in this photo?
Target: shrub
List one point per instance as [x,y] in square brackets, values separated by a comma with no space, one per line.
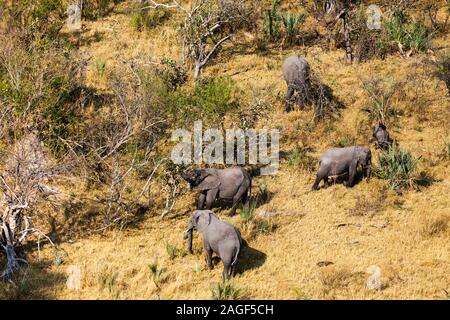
[291,24]
[214,95]
[248,213]
[380,95]
[299,158]
[408,34]
[226,290]
[272,22]
[398,167]
[157,274]
[173,73]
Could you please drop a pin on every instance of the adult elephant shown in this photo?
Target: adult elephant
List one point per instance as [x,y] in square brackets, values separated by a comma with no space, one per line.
[296,72]
[337,161]
[230,184]
[219,237]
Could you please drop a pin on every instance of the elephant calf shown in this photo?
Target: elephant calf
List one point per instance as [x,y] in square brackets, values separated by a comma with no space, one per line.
[381,137]
[219,237]
[296,74]
[337,161]
[231,184]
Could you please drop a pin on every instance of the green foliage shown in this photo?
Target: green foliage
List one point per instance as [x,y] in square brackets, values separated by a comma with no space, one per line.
[263,194]
[380,95]
[299,158]
[214,95]
[291,24]
[398,167]
[156,274]
[211,99]
[409,34]
[273,21]
[248,212]
[100,66]
[226,290]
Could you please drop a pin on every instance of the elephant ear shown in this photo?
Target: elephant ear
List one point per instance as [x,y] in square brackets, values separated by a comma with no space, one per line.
[211,181]
[203,218]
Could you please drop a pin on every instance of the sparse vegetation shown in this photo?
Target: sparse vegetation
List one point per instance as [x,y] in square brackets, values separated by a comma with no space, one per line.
[86,118]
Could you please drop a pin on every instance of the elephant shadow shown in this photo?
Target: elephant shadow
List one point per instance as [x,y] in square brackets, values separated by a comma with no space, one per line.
[250,258]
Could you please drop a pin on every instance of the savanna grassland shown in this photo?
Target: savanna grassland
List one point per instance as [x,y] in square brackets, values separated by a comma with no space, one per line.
[301,244]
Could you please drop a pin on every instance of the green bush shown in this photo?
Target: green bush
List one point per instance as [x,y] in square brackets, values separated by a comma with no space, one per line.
[291,24]
[409,34]
[380,95]
[272,22]
[226,290]
[398,167]
[299,158]
[214,95]
[248,213]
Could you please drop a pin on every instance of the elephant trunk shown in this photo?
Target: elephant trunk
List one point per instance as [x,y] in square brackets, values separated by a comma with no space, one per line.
[368,171]
[188,236]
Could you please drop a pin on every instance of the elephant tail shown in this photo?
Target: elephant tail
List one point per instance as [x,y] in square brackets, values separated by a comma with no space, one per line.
[236,256]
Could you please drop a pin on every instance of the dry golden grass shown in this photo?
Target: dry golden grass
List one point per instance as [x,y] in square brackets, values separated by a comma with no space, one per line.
[406,236]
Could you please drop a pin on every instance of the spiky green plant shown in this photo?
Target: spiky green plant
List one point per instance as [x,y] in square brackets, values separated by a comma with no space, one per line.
[226,290]
[291,22]
[398,167]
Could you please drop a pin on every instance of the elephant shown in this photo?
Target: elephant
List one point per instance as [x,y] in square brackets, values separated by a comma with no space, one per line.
[338,161]
[231,184]
[219,237]
[381,137]
[296,72]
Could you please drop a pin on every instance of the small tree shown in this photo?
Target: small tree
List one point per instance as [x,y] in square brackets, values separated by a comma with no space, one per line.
[209,24]
[23,187]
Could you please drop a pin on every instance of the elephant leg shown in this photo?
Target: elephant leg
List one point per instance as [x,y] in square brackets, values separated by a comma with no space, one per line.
[290,92]
[201,201]
[351,175]
[210,197]
[226,271]
[237,197]
[208,254]
[319,177]
[325,181]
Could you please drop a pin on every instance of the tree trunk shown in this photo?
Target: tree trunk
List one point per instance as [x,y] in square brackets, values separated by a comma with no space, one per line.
[348,47]
[197,71]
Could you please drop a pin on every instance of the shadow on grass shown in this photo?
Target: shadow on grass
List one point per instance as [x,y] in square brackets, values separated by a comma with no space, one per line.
[32,282]
[250,258]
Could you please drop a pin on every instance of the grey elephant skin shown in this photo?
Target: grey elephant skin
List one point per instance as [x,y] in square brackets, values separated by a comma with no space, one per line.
[230,184]
[219,237]
[296,72]
[338,161]
[381,137]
